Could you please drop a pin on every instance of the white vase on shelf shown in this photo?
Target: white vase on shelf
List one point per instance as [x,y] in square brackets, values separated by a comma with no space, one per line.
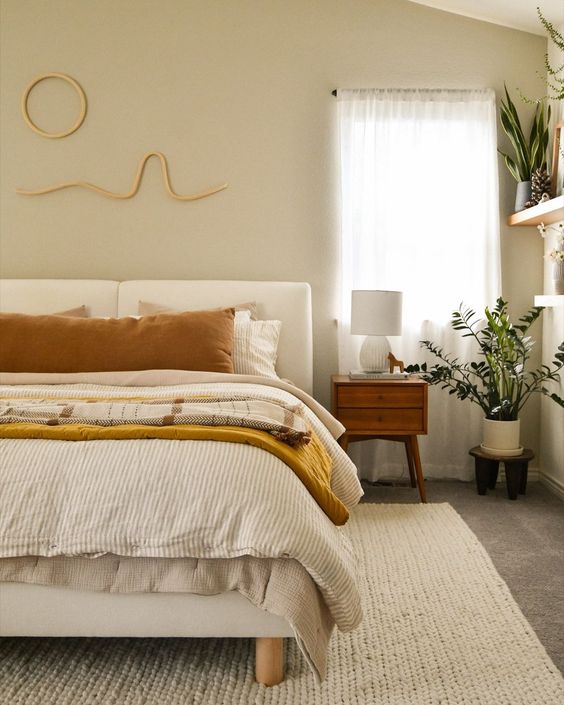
[558,277]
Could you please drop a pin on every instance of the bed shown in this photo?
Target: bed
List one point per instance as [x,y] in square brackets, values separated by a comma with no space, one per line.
[30,606]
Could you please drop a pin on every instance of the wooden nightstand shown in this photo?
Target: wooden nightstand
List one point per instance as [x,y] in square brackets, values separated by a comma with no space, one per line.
[390,409]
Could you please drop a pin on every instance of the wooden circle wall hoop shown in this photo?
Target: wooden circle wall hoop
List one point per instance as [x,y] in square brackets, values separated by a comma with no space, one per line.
[81,95]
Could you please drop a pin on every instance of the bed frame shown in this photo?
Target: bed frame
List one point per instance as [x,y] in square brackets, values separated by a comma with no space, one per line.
[38,610]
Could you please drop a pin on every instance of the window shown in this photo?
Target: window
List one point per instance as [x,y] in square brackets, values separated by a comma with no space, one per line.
[420,214]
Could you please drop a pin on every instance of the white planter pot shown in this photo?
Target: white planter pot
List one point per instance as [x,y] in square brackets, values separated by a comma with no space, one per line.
[501,437]
[522,195]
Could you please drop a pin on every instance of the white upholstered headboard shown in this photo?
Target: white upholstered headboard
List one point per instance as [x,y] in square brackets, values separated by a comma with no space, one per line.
[289,302]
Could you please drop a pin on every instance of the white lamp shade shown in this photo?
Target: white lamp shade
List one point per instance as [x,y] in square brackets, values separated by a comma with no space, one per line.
[375,312]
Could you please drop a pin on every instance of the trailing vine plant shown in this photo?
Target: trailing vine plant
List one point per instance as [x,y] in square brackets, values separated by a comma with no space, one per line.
[556,80]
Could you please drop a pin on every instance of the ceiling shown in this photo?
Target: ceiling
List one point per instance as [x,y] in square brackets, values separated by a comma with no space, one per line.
[518,14]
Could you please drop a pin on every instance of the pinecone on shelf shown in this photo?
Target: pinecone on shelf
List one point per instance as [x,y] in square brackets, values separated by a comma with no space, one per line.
[540,184]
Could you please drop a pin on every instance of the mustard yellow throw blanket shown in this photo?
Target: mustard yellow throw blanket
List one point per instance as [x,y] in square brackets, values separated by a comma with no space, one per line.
[275,427]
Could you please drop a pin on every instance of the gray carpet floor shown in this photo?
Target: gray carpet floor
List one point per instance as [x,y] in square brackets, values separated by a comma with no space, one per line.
[524,538]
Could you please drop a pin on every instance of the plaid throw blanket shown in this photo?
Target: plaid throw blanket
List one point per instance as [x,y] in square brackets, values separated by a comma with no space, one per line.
[276,425]
[283,421]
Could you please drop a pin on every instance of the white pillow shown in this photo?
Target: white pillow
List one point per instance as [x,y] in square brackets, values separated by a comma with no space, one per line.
[255,346]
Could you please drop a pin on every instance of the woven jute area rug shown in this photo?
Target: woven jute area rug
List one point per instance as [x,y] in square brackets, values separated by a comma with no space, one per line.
[440,628]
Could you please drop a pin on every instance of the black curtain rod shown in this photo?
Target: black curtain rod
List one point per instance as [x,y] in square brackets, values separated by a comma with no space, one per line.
[334,92]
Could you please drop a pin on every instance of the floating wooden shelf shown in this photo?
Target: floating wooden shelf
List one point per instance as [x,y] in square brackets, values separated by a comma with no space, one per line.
[549,300]
[548,212]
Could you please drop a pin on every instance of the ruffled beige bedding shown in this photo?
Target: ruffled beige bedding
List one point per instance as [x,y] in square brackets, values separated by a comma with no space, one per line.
[280,586]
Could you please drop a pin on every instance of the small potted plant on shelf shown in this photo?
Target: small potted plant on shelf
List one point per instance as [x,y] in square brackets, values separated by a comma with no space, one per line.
[528,166]
[498,381]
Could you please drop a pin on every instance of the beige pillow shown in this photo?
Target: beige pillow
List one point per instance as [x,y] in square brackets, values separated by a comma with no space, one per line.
[146,308]
[195,340]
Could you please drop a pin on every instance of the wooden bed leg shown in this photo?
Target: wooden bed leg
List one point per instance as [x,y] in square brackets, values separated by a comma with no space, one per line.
[269,665]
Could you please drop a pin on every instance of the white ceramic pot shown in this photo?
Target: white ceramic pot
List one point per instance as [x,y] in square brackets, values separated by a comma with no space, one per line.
[522,195]
[501,437]
[558,277]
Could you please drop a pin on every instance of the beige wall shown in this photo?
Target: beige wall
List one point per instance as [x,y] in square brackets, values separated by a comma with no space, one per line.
[551,461]
[237,91]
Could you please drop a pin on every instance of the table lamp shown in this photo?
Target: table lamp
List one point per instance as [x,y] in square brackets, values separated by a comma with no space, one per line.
[376,314]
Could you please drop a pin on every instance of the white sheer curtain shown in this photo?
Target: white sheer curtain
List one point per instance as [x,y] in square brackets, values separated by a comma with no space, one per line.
[420,214]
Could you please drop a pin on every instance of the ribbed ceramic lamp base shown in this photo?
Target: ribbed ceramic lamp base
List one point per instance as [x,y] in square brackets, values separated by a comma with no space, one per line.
[374,354]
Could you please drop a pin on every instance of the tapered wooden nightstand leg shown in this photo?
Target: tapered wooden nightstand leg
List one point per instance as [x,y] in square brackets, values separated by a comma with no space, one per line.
[410,462]
[344,442]
[416,459]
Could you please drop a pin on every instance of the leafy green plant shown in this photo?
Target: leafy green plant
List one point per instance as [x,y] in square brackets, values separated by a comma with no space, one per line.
[555,80]
[530,154]
[499,381]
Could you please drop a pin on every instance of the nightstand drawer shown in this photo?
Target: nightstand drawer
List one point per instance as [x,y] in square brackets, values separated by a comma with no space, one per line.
[379,396]
[383,420]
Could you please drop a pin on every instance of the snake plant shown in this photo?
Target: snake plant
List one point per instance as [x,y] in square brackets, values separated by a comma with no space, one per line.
[499,382]
[530,154]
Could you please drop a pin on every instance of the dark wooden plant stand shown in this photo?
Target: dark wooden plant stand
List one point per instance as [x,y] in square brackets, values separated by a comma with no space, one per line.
[516,468]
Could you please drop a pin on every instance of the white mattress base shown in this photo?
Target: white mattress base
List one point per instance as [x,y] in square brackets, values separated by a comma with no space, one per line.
[41,610]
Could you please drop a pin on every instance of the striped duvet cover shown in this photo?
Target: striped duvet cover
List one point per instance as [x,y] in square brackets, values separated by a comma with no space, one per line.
[177,499]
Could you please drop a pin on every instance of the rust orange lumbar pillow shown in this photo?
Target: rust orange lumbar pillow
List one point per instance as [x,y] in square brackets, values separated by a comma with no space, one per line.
[194,340]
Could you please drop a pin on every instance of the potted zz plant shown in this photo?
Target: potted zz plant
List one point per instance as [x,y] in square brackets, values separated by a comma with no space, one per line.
[499,381]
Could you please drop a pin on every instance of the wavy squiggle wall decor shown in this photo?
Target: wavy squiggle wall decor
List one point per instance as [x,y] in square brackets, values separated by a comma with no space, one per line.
[134,188]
